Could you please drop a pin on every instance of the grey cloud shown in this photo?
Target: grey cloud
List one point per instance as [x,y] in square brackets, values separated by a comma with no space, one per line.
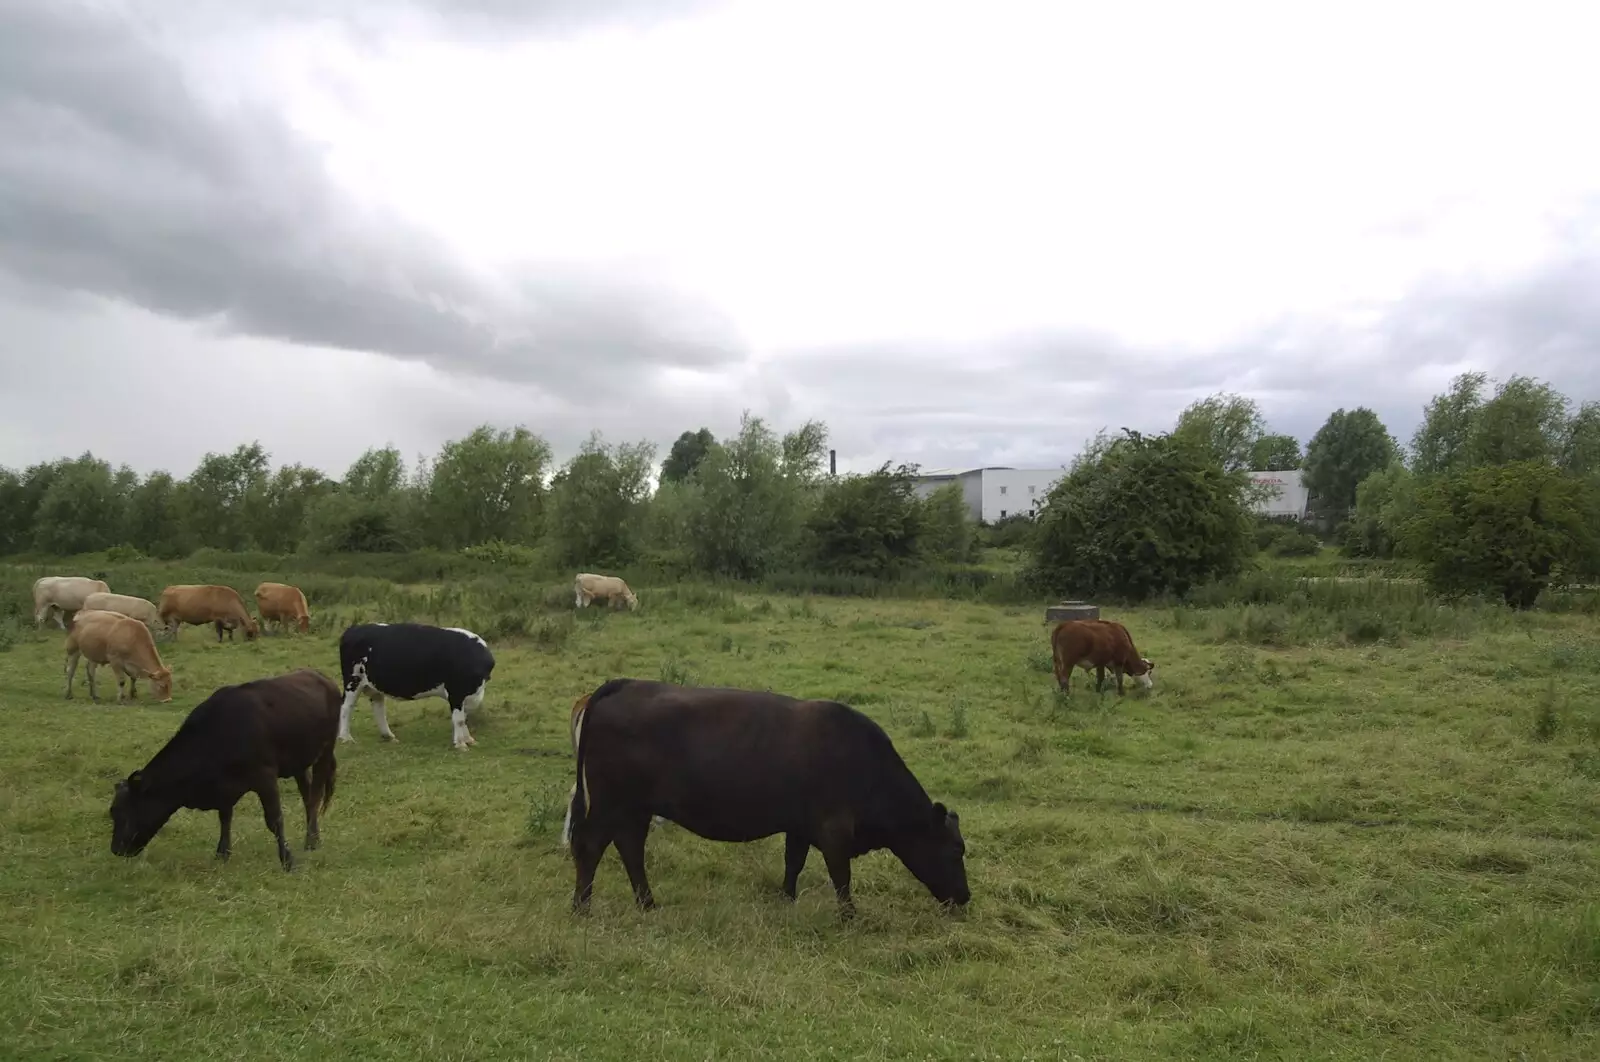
[1035,399]
[115,180]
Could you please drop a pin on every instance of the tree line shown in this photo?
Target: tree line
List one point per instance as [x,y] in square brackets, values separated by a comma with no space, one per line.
[1495,494]
[1510,475]
[741,507]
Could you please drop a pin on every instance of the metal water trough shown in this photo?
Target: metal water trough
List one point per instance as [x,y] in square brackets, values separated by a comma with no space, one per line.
[1071,610]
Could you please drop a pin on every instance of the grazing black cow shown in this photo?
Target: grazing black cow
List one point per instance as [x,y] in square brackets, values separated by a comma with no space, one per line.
[239,740]
[410,661]
[739,765]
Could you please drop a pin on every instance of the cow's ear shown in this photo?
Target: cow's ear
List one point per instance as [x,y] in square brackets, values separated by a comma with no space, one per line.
[939,812]
[135,780]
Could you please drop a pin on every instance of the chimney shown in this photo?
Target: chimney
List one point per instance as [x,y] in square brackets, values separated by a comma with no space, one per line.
[833,462]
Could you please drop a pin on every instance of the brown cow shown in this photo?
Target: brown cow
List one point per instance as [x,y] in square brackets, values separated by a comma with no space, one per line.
[111,638]
[200,604]
[1097,644]
[283,603]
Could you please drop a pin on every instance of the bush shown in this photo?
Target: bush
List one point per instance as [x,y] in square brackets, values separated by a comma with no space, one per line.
[1503,529]
[1286,538]
[1141,516]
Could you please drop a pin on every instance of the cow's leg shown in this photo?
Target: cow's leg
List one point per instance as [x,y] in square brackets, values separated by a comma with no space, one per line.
[72,669]
[1099,678]
[838,859]
[92,668]
[352,689]
[225,834]
[1117,671]
[380,715]
[630,847]
[795,850]
[590,839]
[272,812]
[302,782]
[460,736]
[133,678]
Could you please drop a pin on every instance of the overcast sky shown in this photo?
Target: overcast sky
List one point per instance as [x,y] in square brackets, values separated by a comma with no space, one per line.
[959,233]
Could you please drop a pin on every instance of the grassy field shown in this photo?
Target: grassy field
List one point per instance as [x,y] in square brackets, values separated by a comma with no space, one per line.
[1364,834]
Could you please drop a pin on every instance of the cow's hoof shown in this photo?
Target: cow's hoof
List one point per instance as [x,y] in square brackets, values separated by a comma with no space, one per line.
[346,737]
[388,737]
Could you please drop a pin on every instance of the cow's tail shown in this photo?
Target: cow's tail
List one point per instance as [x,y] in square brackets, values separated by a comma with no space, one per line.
[327,788]
[578,796]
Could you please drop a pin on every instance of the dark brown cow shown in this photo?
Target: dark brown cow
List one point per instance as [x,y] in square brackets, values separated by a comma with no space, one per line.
[1097,644]
[739,765]
[239,740]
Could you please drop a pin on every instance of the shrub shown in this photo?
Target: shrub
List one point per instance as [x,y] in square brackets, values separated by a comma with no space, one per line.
[1503,529]
[1140,516]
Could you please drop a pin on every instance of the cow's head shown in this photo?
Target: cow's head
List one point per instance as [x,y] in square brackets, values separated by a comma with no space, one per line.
[632,599]
[305,623]
[934,851]
[1145,673]
[161,684]
[136,816]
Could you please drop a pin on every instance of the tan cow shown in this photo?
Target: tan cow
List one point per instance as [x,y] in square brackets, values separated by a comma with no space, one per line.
[1097,644]
[128,605]
[61,594]
[199,604]
[102,637]
[283,603]
[587,586]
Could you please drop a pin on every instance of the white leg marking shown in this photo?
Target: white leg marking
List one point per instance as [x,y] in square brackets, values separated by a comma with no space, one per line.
[350,696]
[459,738]
[566,824]
[380,715]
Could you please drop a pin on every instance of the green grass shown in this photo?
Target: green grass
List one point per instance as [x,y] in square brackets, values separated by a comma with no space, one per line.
[1336,847]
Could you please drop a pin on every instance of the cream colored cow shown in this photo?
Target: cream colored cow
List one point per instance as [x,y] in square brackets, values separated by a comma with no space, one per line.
[61,594]
[588,586]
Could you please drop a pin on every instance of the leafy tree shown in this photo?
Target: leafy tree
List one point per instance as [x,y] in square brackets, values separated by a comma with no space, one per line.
[805,452]
[1384,501]
[1505,529]
[1526,420]
[1141,515]
[280,506]
[748,507]
[1444,438]
[81,510]
[214,503]
[16,518]
[380,472]
[1349,447]
[597,502]
[1580,453]
[1275,453]
[154,525]
[488,485]
[948,531]
[340,522]
[867,524]
[686,454]
[1227,425]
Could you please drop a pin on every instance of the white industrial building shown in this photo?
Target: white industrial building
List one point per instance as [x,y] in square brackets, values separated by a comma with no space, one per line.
[995,492]
[1291,497]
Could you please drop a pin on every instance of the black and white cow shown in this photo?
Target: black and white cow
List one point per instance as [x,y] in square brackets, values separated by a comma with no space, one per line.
[411,661]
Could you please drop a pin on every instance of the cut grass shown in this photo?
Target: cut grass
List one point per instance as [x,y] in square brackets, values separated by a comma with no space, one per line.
[1320,852]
